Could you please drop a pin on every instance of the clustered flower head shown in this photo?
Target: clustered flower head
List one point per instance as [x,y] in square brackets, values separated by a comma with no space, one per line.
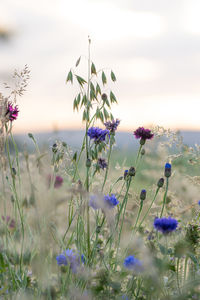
[112,125]
[12,112]
[70,258]
[165,225]
[143,134]
[58,182]
[110,200]
[102,164]
[132,263]
[97,134]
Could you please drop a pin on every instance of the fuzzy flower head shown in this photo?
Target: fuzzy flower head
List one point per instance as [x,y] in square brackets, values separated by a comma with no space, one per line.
[12,112]
[58,182]
[97,134]
[110,201]
[102,164]
[112,125]
[143,134]
[132,263]
[69,257]
[165,225]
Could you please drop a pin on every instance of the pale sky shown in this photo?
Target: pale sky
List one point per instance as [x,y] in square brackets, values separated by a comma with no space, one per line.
[153,46]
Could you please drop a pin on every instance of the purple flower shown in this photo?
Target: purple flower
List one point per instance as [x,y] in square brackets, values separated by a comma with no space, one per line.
[12,112]
[69,257]
[143,134]
[58,182]
[97,134]
[10,222]
[102,164]
[112,126]
[132,263]
[165,225]
[111,201]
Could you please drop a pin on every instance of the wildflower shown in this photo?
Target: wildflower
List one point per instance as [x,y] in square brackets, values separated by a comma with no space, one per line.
[10,222]
[112,126]
[111,201]
[69,257]
[143,195]
[165,225]
[199,202]
[12,112]
[143,134]
[168,170]
[125,174]
[132,263]
[160,182]
[102,164]
[58,182]
[98,134]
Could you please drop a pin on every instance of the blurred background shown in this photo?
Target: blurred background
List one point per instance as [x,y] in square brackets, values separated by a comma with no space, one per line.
[152,46]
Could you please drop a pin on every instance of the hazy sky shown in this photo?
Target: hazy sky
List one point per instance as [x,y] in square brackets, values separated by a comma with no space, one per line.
[153,46]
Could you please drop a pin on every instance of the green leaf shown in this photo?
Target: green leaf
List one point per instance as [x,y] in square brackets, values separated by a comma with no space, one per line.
[69,77]
[98,89]
[74,104]
[103,77]
[106,114]
[112,97]
[80,80]
[93,69]
[78,61]
[84,100]
[78,99]
[113,76]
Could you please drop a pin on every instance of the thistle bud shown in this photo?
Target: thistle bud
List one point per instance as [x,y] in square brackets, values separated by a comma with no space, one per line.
[167,170]
[143,152]
[88,163]
[131,171]
[160,182]
[104,97]
[143,195]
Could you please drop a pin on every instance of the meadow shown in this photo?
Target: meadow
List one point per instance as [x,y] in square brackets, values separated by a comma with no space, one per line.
[99,222]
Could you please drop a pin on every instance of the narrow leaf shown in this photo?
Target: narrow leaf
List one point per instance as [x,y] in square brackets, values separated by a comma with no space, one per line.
[69,77]
[93,69]
[113,76]
[103,77]
[78,61]
[80,80]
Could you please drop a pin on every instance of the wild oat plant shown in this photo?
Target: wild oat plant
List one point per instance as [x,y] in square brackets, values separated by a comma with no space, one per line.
[74,226]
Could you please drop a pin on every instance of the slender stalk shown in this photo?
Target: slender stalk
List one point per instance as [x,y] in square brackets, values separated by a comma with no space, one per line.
[138,215]
[164,198]
[147,212]
[109,155]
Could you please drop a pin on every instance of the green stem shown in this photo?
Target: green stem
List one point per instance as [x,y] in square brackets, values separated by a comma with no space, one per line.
[164,198]
[109,155]
[147,212]
[138,215]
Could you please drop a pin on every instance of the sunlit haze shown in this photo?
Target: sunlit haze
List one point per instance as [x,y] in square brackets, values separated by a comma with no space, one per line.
[152,46]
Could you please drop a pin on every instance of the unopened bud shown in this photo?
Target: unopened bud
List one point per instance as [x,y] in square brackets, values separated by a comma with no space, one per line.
[88,163]
[104,97]
[160,182]
[125,174]
[131,171]
[143,152]
[143,195]
[14,172]
[168,170]
[142,142]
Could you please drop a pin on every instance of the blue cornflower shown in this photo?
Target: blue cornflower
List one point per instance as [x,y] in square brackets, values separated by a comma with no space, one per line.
[199,202]
[168,168]
[124,297]
[94,202]
[97,134]
[111,200]
[165,225]
[125,173]
[132,263]
[69,257]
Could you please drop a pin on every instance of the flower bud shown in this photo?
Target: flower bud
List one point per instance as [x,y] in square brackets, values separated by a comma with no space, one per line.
[167,170]
[125,174]
[104,97]
[14,173]
[131,171]
[88,163]
[143,152]
[142,141]
[160,182]
[143,195]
